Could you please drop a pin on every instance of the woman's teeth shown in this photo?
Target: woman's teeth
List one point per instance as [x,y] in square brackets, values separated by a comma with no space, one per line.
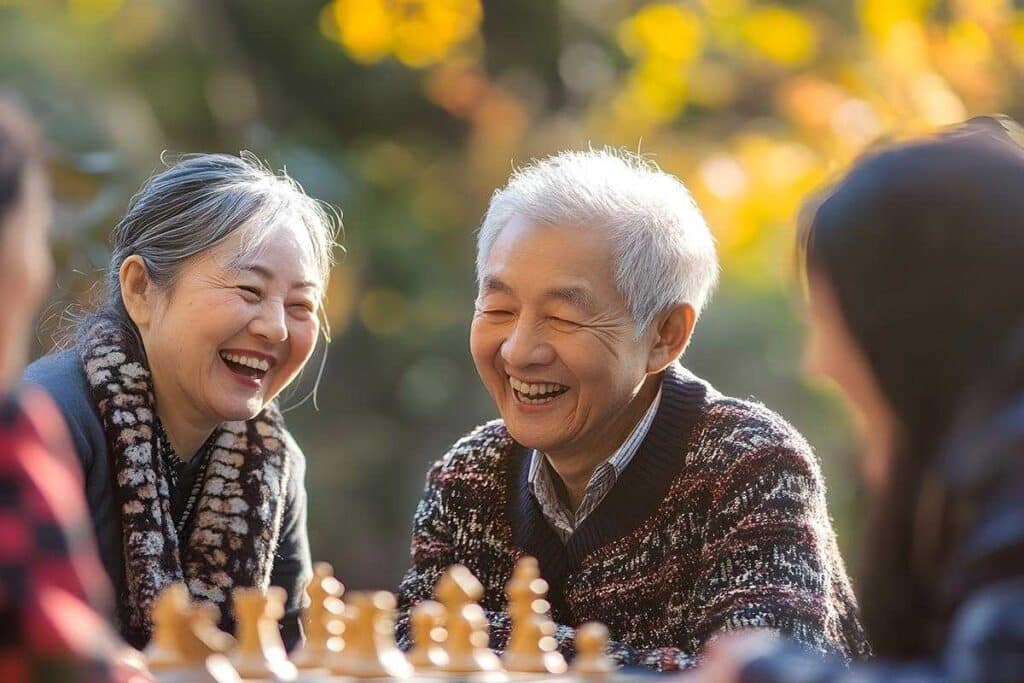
[536,393]
[248,361]
[252,366]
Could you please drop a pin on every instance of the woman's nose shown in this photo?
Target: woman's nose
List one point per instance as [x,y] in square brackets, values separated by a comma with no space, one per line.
[271,323]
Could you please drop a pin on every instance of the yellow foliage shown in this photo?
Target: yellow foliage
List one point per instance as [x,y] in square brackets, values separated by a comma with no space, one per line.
[880,17]
[781,35]
[662,32]
[416,32]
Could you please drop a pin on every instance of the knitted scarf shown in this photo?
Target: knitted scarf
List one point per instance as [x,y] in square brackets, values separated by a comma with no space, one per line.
[237,517]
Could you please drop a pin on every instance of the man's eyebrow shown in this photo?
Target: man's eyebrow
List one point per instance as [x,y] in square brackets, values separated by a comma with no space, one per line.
[492,285]
[266,274]
[576,296]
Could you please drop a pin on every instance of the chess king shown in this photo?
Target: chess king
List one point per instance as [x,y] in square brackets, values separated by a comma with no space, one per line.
[654,503]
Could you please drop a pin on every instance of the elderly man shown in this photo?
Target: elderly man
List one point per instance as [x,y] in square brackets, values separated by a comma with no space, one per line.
[652,502]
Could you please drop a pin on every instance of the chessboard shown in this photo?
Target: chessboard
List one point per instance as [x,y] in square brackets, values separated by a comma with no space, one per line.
[350,636]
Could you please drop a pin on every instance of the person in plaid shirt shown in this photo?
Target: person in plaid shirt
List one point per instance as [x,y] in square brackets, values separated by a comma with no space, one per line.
[51,580]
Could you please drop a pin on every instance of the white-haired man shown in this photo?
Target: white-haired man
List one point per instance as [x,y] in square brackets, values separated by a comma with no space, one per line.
[653,503]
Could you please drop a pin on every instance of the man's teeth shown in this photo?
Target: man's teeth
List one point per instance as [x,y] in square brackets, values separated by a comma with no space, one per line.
[538,389]
[248,361]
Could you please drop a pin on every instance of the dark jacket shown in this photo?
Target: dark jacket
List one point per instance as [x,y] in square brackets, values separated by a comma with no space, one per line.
[62,375]
[982,581]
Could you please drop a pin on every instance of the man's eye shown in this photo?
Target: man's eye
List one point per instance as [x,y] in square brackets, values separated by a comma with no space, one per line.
[563,323]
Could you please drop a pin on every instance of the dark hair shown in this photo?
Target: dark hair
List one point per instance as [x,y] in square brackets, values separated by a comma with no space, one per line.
[20,146]
[924,247]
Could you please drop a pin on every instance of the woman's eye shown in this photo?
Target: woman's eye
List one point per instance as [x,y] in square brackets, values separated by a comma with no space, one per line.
[303,307]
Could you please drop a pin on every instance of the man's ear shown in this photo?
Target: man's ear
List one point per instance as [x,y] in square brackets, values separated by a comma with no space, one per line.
[673,329]
[136,290]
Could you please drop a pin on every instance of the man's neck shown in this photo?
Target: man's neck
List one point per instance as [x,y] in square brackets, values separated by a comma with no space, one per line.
[575,468]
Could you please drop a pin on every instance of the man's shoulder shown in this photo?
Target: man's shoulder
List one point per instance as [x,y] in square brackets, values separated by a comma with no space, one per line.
[480,452]
[734,429]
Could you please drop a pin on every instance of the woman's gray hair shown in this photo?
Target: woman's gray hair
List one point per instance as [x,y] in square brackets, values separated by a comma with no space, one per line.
[193,205]
[664,252]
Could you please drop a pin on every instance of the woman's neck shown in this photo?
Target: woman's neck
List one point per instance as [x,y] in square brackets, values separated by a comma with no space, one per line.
[185,435]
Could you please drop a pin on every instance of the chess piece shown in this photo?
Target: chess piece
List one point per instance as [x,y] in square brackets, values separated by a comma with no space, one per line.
[426,621]
[457,587]
[322,620]
[370,650]
[592,658]
[260,652]
[184,647]
[170,619]
[532,647]
[467,642]
[203,638]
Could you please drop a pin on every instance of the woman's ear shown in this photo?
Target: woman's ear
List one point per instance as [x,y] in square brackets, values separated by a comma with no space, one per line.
[673,329]
[136,290]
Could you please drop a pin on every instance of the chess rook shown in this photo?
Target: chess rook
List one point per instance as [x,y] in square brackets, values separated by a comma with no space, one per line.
[260,652]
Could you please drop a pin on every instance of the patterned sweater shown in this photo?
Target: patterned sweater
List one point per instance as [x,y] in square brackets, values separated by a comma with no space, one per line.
[719,523]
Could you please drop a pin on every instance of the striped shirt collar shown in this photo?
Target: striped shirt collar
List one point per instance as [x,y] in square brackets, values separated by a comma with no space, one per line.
[541,478]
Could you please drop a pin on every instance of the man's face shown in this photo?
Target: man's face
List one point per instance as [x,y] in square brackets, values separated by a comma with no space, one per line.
[553,341]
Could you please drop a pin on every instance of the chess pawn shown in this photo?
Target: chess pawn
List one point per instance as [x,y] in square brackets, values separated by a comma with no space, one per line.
[370,650]
[322,619]
[260,652]
[170,620]
[526,591]
[426,621]
[532,647]
[592,651]
[467,642]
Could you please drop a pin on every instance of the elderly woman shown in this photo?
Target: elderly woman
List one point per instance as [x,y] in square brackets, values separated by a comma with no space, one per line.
[916,310]
[212,308]
[652,502]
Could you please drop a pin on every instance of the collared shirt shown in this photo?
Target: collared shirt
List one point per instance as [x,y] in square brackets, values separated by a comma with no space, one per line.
[545,488]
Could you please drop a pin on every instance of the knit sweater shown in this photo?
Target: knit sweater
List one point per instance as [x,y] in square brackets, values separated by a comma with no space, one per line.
[719,523]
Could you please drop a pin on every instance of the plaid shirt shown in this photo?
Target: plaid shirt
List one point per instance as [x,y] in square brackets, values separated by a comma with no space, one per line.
[50,575]
[542,482]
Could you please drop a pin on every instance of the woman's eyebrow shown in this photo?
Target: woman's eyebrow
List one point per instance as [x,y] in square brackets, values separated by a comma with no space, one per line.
[267,274]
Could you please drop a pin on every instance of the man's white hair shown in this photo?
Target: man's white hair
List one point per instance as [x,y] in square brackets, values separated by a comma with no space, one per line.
[664,253]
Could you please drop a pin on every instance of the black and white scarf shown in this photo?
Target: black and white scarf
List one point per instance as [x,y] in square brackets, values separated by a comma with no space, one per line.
[237,517]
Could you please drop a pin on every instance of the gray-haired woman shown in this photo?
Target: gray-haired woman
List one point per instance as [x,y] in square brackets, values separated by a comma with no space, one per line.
[213,306]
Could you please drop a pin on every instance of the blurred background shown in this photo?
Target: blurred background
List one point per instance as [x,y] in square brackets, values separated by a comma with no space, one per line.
[407,114]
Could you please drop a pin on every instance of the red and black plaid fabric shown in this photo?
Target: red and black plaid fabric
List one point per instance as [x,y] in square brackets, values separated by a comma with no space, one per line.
[50,576]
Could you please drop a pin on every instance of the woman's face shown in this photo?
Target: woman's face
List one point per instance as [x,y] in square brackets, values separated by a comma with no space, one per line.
[26,271]
[832,352]
[232,332]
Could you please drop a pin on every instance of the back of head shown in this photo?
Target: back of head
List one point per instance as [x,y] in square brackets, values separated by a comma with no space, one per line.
[20,147]
[923,245]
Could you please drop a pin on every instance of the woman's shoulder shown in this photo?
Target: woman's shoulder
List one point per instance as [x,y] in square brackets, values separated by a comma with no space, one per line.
[62,376]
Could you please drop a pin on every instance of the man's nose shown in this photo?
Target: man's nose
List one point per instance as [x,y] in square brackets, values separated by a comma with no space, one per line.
[526,346]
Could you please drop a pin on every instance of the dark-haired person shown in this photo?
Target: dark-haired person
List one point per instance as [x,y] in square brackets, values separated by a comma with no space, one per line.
[212,308]
[915,263]
[51,581]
